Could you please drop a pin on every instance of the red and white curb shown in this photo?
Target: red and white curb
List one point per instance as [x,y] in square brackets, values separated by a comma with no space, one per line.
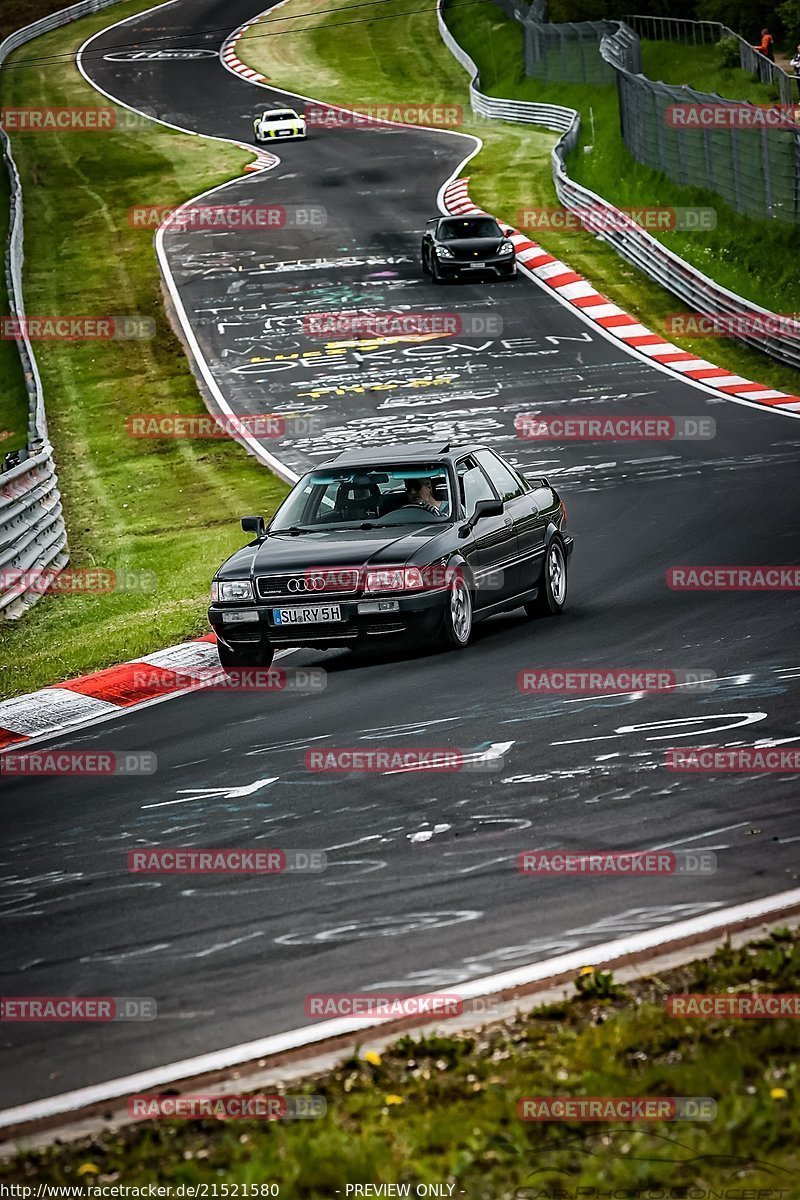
[233,62]
[264,158]
[571,287]
[65,707]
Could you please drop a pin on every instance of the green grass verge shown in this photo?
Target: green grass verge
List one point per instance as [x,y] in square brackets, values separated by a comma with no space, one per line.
[443,1109]
[168,507]
[359,64]
[701,67]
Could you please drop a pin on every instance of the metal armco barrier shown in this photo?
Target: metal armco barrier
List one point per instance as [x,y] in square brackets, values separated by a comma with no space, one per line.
[33,536]
[630,240]
[33,540]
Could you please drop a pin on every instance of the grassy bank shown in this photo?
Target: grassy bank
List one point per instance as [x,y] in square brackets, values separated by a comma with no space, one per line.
[701,67]
[166,507]
[443,1109]
[359,64]
[753,258]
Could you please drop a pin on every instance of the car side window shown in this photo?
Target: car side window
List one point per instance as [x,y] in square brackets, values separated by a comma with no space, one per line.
[472,485]
[503,478]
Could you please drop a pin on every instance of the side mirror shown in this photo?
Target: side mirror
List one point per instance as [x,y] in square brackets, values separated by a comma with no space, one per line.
[508,232]
[487,508]
[254,525]
[483,508]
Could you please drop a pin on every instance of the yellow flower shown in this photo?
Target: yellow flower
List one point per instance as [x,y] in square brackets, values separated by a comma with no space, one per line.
[586,971]
[87,1169]
[373,1057]
[778,1093]
[392,1099]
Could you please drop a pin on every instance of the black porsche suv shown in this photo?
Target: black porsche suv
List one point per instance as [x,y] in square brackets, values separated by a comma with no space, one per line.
[408,543]
[464,247]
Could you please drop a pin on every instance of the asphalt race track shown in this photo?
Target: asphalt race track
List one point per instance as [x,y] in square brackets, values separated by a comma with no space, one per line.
[421,889]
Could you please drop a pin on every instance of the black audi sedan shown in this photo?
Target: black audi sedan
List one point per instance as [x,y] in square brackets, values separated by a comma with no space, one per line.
[406,544]
[459,247]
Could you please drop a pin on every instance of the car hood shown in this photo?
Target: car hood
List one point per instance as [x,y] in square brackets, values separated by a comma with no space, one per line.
[474,247]
[349,548]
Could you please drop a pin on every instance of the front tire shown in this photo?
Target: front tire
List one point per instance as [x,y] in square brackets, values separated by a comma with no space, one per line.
[256,656]
[458,615]
[426,270]
[436,274]
[552,595]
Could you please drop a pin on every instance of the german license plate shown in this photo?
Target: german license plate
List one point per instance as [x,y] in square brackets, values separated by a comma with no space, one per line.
[477,266]
[318,615]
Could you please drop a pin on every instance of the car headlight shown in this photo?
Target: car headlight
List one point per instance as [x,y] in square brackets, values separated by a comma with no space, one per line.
[232,589]
[443,252]
[506,248]
[393,579]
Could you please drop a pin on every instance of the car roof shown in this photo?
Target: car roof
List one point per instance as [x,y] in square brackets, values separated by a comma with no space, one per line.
[401,452]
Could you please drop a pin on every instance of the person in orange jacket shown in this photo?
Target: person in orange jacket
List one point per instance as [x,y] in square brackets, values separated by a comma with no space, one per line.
[766,44]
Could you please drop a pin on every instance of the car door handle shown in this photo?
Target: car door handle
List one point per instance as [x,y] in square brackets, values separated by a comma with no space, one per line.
[508,522]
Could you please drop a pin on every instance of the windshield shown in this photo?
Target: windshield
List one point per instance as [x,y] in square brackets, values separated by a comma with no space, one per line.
[401,495]
[472,227]
[280,115]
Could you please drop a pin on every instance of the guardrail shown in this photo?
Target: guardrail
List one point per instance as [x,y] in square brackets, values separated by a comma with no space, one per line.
[33,536]
[630,240]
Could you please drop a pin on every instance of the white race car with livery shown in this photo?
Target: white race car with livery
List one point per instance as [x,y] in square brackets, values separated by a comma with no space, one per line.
[279,124]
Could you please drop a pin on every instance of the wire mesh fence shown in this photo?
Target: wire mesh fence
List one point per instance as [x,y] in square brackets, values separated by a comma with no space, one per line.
[700,33]
[746,154]
[567,53]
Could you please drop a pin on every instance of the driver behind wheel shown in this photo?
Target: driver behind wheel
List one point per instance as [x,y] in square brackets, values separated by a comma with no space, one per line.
[421,493]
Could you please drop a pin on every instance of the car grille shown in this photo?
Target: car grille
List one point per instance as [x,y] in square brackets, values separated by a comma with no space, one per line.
[470,255]
[305,585]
